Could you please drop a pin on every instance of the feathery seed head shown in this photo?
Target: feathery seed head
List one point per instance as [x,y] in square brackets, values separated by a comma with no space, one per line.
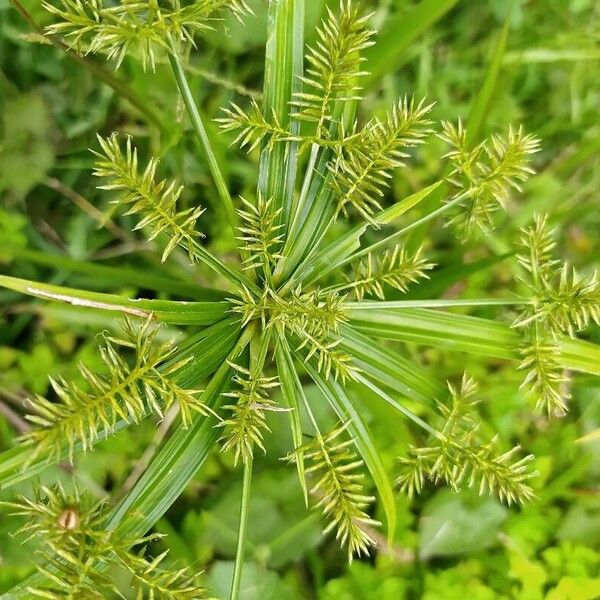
[146,29]
[563,302]
[338,489]
[484,175]
[395,268]
[76,549]
[154,201]
[457,457]
[81,416]
[245,428]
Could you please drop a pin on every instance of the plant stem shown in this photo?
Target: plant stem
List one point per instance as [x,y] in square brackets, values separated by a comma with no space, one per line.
[235,277]
[397,405]
[373,247]
[434,303]
[239,557]
[200,130]
[258,353]
[401,232]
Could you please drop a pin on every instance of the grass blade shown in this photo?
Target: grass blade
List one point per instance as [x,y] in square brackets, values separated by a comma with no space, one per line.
[439,329]
[389,215]
[390,368]
[441,303]
[283,67]
[580,355]
[464,333]
[167,311]
[112,275]
[395,404]
[321,262]
[485,98]
[291,390]
[313,212]
[202,135]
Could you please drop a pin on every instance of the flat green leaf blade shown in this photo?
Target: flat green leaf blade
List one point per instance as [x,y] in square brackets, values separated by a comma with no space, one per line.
[283,69]
[439,329]
[320,263]
[580,355]
[291,389]
[465,333]
[390,368]
[178,313]
[398,406]
[486,95]
[312,215]
[389,215]
[327,260]
[111,275]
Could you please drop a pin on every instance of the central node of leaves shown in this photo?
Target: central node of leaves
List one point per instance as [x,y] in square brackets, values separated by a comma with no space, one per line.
[310,319]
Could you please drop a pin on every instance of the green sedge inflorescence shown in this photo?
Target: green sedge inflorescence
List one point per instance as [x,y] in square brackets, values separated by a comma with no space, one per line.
[298,301]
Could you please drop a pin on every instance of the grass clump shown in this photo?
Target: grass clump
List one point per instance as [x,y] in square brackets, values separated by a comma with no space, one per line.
[297,301]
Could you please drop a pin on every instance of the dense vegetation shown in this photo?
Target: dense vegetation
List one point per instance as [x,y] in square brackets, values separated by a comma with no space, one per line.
[343,245]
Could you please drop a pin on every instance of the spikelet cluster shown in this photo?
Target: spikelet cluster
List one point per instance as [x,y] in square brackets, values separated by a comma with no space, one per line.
[312,319]
[536,246]
[545,380]
[80,416]
[78,552]
[361,171]
[361,159]
[142,27]
[260,233]
[331,79]
[567,303]
[457,457]
[484,175]
[316,312]
[563,303]
[337,486]
[334,67]
[396,268]
[154,201]
[245,427]
[253,128]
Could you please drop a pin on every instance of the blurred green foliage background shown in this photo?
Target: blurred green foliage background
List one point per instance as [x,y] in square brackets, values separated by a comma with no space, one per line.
[447,546]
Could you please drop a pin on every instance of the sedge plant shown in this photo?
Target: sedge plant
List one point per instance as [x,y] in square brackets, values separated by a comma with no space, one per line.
[303,302]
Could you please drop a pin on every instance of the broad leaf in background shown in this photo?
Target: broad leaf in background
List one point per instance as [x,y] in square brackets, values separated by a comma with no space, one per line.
[454,524]
[26,151]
